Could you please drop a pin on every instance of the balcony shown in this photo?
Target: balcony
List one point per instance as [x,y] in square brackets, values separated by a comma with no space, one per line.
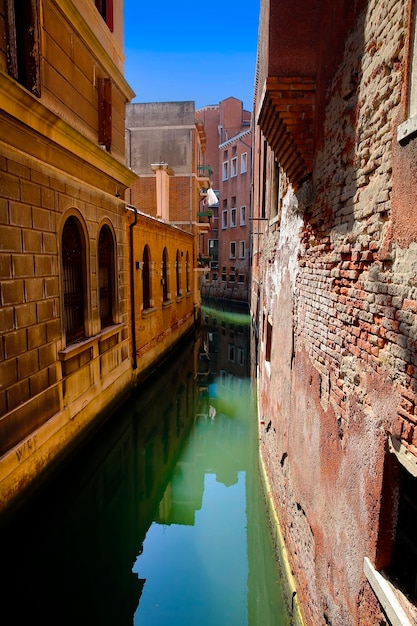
[204,174]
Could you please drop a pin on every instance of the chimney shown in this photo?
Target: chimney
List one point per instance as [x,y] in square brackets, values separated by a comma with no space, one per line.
[162,172]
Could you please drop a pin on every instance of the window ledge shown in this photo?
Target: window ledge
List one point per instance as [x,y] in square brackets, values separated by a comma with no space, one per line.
[179,298]
[407,129]
[387,595]
[148,312]
[74,349]
[167,304]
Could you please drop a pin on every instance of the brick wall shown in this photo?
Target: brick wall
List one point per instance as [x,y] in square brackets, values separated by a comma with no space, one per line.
[337,288]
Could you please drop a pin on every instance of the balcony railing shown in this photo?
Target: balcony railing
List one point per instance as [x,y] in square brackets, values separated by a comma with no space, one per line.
[205,171]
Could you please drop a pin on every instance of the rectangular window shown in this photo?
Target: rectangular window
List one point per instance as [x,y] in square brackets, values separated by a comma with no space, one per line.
[105,112]
[242,249]
[232,250]
[275,200]
[105,8]
[243,216]
[233,201]
[213,249]
[243,163]
[241,278]
[241,356]
[393,576]
[231,352]
[224,219]
[232,218]
[225,170]
[23,45]
[268,341]
[233,167]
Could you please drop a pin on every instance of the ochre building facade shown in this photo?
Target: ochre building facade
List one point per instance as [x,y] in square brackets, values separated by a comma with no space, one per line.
[334,301]
[78,328]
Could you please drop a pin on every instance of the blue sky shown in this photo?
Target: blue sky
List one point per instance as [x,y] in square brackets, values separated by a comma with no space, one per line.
[191,51]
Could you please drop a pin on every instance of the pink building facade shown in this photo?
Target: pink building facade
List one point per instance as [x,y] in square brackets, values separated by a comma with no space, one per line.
[226,245]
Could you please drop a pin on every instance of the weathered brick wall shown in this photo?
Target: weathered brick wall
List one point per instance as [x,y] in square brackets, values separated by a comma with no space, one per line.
[338,288]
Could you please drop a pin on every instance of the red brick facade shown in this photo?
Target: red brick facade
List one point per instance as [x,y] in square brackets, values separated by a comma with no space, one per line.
[226,246]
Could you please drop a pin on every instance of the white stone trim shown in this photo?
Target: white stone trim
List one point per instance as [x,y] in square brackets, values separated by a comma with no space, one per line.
[386,595]
[406,129]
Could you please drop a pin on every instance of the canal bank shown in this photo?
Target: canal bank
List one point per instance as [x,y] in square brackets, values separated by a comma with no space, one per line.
[161,518]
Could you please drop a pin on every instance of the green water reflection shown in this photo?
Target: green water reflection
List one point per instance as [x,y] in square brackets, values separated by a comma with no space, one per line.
[159,519]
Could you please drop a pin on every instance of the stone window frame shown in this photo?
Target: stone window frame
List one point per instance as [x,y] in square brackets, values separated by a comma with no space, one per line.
[243,215]
[243,162]
[232,250]
[225,170]
[233,217]
[233,167]
[242,249]
[224,219]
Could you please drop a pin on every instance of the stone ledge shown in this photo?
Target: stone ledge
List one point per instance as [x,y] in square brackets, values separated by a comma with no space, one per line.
[387,595]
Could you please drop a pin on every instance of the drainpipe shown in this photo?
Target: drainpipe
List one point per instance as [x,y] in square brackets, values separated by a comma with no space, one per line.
[129,207]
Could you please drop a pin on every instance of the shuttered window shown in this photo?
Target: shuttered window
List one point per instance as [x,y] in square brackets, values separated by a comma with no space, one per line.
[22,32]
[105,8]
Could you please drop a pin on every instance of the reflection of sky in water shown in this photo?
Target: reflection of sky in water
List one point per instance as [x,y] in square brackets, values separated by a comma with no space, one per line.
[196,575]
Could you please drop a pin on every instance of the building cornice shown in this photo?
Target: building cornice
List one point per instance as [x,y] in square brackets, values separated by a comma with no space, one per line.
[45,136]
[237,137]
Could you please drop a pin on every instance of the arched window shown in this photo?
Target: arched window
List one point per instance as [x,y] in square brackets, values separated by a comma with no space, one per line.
[178,273]
[146,278]
[73,263]
[187,272]
[106,276]
[165,285]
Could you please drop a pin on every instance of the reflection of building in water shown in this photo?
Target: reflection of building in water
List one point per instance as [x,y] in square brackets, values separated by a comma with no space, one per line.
[219,441]
[226,337]
[89,525]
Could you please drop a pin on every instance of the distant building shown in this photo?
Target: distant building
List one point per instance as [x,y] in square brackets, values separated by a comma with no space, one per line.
[334,301]
[165,147]
[227,244]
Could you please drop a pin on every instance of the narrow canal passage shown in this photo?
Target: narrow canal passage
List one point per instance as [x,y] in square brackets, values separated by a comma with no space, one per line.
[160,519]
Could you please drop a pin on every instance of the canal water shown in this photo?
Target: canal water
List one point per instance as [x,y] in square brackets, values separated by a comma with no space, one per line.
[160,519]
